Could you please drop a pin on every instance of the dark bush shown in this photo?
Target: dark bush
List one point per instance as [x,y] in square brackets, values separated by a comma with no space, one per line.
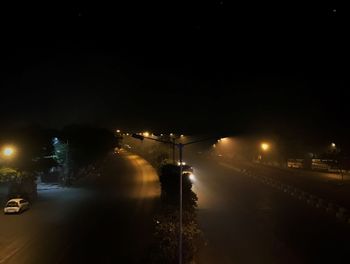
[166,234]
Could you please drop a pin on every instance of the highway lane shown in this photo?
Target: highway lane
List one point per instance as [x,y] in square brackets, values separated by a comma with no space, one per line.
[108,221]
[245,221]
[325,185]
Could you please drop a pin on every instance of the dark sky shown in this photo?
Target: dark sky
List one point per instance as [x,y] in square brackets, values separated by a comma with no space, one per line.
[176,66]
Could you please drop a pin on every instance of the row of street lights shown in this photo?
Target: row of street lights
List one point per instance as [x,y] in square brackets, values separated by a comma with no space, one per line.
[171,138]
[149,134]
[264,146]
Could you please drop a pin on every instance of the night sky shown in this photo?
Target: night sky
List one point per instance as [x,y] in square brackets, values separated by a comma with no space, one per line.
[191,67]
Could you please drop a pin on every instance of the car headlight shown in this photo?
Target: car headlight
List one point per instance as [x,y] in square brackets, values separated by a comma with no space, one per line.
[192,177]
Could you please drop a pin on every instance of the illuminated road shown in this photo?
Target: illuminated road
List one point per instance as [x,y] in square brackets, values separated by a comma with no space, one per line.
[246,221]
[106,222]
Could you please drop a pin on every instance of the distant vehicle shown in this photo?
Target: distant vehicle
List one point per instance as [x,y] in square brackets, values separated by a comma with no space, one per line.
[295,163]
[187,169]
[16,206]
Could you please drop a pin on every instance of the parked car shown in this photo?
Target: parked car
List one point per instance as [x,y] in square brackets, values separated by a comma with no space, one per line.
[17,205]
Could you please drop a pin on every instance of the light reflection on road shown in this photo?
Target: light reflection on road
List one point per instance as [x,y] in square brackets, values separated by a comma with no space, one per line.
[147,179]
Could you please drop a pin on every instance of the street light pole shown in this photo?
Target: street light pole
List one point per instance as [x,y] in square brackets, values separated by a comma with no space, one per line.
[173,147]
[180,146]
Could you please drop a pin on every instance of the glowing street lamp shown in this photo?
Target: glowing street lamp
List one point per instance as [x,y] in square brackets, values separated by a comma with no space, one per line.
[333,145]
[145,134]
[265,146]
[8,151]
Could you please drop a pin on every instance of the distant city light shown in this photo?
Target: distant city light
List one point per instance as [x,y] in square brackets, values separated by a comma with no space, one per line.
[333,145]
[145,134]
[171,134]
[118,131]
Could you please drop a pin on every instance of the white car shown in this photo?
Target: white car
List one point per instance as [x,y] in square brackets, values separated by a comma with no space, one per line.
[16,206]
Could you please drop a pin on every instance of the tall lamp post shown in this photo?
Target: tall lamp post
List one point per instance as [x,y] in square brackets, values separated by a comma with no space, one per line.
[335,150]
[180,146]
[265,147]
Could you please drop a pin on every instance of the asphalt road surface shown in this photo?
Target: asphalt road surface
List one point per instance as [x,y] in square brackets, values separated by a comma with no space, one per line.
[108,221]
[246,221]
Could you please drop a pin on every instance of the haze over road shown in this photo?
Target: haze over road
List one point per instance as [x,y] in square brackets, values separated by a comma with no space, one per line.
[246,221]
[107,221]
